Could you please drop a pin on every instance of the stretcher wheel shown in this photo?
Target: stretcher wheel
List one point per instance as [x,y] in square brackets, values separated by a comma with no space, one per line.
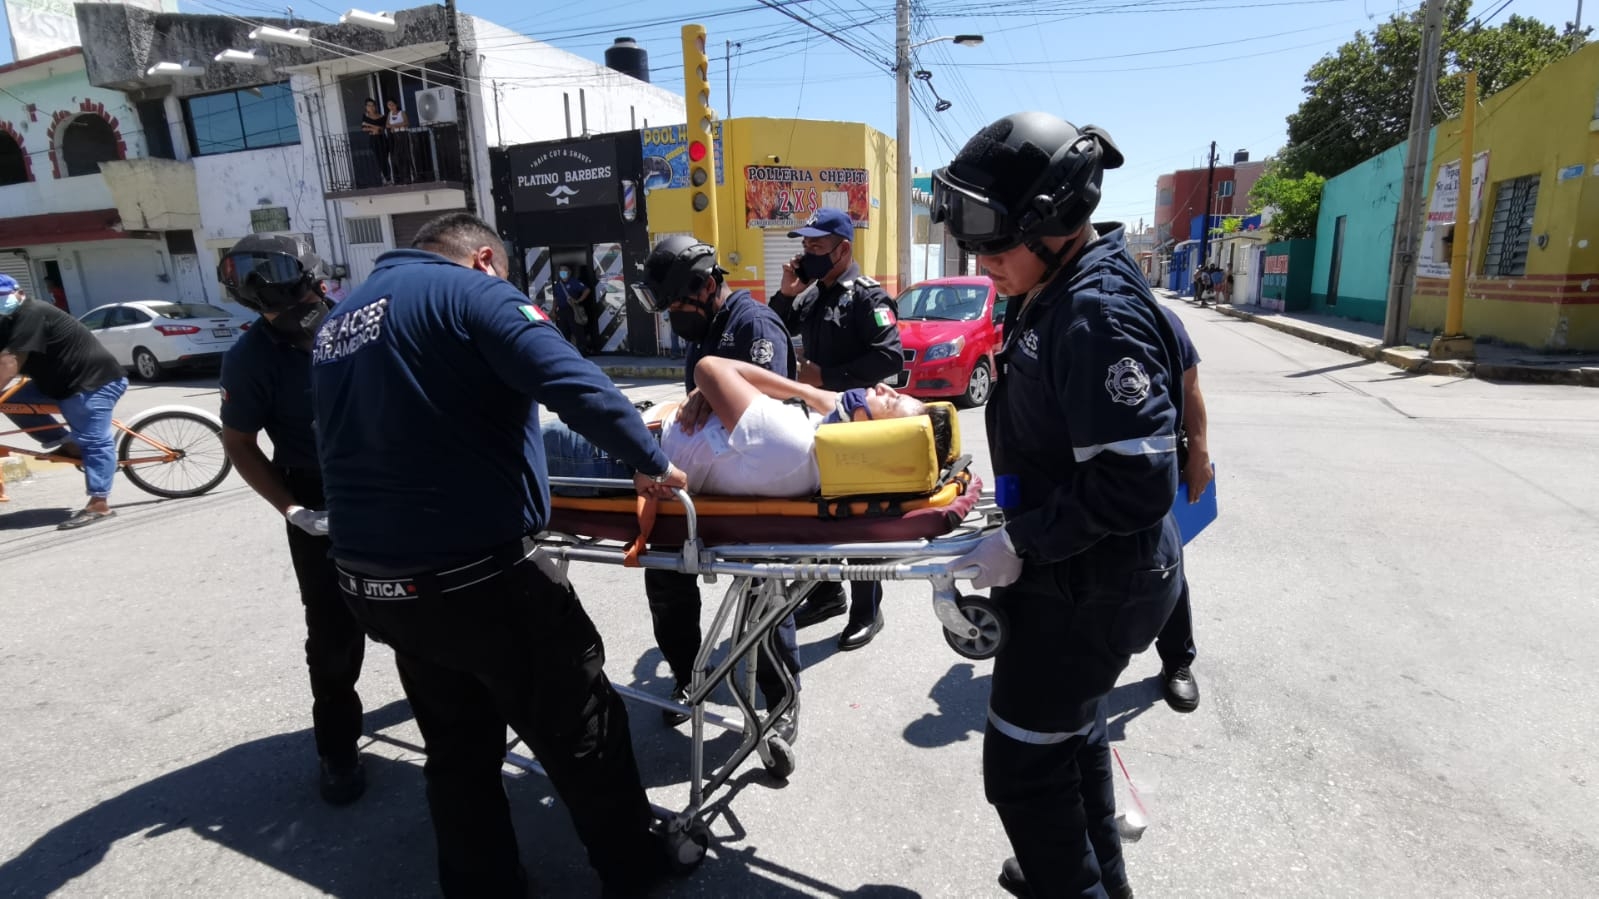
[783,759]
[687,847]
[991,629]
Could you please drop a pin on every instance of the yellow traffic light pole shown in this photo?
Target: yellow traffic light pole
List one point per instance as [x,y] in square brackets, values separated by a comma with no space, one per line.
[701,153]
[1453,343]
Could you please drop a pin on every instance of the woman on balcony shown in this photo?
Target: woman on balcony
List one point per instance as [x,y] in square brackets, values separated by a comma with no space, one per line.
[400,143]
[373,126]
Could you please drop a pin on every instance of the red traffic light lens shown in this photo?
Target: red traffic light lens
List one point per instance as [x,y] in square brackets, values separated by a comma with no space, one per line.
[696,151]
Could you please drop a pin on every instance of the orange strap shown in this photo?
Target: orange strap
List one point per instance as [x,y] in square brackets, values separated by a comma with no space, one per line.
[646,522]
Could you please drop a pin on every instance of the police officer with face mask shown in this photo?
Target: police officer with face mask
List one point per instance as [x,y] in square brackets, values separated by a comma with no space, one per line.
[848,328]
[1083,428]
[682,279]
[266,386]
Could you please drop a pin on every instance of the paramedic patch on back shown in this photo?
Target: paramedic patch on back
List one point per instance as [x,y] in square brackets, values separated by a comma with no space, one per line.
[343,334]
[1127,382]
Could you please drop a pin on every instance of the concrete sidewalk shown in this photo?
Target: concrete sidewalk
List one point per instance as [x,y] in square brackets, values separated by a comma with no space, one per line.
[640,368]
[1364,339]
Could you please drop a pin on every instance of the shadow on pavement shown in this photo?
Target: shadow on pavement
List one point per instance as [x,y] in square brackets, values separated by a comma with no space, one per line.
[23,519]
[962,699]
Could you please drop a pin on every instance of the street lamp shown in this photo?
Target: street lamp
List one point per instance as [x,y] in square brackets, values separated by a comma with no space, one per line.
[289,37]
[377,21]
[243,57]
[902,126]
[183,69]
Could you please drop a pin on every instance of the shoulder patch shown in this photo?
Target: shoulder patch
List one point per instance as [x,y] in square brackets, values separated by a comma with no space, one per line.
[883,316]
[761,352]
[533,313]
[1127,382]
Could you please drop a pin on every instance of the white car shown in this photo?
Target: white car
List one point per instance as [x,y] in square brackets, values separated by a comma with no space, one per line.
[153,336]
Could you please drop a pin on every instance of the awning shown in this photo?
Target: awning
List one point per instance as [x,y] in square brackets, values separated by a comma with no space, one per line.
[62,227]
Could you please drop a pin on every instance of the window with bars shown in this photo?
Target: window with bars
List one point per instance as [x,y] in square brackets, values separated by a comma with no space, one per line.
[1510,231]
[364,230]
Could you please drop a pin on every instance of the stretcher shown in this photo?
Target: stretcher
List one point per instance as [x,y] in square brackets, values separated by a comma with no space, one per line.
[774,553]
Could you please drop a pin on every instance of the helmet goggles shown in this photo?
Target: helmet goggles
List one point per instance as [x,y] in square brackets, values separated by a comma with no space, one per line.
[980,224]
[263,282]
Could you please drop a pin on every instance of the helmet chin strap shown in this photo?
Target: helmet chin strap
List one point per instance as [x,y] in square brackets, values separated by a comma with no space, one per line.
[1055,260]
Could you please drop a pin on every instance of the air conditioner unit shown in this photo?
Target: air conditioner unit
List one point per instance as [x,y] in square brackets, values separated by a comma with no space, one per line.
[435,105]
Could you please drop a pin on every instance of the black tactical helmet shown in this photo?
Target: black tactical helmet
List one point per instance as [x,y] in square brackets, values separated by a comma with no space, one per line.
[1026,176]
[270,273]
[677,268]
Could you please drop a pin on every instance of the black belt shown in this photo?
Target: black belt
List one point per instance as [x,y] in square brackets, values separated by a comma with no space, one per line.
[377,585]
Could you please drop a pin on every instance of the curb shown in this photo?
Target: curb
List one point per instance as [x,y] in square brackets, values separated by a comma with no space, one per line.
[1412,359]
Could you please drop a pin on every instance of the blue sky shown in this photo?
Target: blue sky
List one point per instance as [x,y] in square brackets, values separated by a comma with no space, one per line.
[1164,77]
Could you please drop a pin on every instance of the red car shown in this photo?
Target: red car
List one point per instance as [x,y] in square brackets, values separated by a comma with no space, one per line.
[950,329]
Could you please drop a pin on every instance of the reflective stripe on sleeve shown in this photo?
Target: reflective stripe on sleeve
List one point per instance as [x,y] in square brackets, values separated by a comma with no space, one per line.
[1138,446]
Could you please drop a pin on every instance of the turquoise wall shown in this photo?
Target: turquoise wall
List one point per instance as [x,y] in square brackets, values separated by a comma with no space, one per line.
[1369,195]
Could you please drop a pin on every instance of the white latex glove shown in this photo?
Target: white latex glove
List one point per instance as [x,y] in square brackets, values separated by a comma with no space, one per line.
[312,522]
[996,560]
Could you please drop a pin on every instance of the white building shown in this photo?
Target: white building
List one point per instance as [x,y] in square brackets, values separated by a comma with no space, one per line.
[277,144]
[64,235]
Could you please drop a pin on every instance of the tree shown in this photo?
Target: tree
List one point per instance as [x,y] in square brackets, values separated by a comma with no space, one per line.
[1358,98]
[1295,201]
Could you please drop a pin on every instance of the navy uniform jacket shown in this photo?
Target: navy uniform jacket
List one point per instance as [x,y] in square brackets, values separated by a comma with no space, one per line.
[848,329]
[747,331]
[266,386]
[1187,354]
[1091,365]
[427,383]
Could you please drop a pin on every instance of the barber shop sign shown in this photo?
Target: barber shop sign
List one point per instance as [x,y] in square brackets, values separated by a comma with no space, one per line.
[552,179]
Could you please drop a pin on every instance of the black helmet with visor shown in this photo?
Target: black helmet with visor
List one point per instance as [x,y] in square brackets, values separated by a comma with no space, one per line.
[269,273]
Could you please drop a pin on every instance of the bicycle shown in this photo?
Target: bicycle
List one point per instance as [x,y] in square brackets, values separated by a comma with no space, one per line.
[169,451]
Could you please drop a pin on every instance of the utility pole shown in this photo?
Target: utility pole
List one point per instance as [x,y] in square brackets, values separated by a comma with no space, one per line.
[1402,267]
[463,121]
[1210,188]
[727,81]
[1453,343]
[902,142]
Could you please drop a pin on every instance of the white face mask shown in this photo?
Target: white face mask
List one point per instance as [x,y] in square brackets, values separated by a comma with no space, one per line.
[10,302]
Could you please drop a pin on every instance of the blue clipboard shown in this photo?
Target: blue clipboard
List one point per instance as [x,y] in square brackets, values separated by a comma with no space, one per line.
[1193,518]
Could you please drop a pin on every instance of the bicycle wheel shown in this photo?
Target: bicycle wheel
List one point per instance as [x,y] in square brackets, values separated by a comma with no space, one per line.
[201,463]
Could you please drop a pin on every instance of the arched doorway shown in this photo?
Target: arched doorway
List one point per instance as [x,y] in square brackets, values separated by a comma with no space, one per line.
[87,141]
[13,162]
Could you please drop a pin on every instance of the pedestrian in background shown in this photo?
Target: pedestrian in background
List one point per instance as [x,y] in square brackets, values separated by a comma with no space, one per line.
[848,327]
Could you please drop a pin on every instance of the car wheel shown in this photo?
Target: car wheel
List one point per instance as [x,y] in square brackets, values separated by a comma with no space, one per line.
[978,386]
[146,364]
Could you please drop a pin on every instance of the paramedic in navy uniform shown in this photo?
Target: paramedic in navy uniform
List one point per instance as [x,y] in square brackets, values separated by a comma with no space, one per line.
[850,338]
[266,386]
[685,282]
[1083,428]
[428,381]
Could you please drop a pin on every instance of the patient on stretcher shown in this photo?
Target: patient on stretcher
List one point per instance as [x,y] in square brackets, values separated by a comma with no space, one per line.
[744,431]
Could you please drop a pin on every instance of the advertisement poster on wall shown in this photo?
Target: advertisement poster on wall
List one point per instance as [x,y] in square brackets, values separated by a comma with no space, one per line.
[782,196]
[666,155]
[1433,261]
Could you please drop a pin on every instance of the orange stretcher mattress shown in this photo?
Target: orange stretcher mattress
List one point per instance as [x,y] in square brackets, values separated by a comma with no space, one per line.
[725,519]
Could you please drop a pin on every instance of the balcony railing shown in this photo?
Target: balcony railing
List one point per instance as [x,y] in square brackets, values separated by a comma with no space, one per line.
[360,161]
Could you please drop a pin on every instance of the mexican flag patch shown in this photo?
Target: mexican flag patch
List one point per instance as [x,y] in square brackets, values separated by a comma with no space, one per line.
[533,313]
[883,316]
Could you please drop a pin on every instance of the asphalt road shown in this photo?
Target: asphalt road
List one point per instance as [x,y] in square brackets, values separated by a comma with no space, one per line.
[1393,615]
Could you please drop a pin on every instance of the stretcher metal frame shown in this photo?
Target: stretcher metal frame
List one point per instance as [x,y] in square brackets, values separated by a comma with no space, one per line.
[770,581]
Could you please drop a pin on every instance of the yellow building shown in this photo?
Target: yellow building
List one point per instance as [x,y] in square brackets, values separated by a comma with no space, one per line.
[1533,273]
[775,172]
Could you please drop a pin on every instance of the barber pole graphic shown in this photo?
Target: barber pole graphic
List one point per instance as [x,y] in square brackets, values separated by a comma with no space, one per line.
[629,201]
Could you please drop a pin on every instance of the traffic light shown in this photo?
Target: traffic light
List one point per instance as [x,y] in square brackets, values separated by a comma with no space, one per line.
[701,158]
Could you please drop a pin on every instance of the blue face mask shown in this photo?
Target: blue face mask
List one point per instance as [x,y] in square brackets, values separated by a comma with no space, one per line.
[565,275]
[848,402]
[10,302]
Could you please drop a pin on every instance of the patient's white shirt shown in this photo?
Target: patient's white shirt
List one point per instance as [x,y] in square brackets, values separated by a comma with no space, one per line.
[770,452]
